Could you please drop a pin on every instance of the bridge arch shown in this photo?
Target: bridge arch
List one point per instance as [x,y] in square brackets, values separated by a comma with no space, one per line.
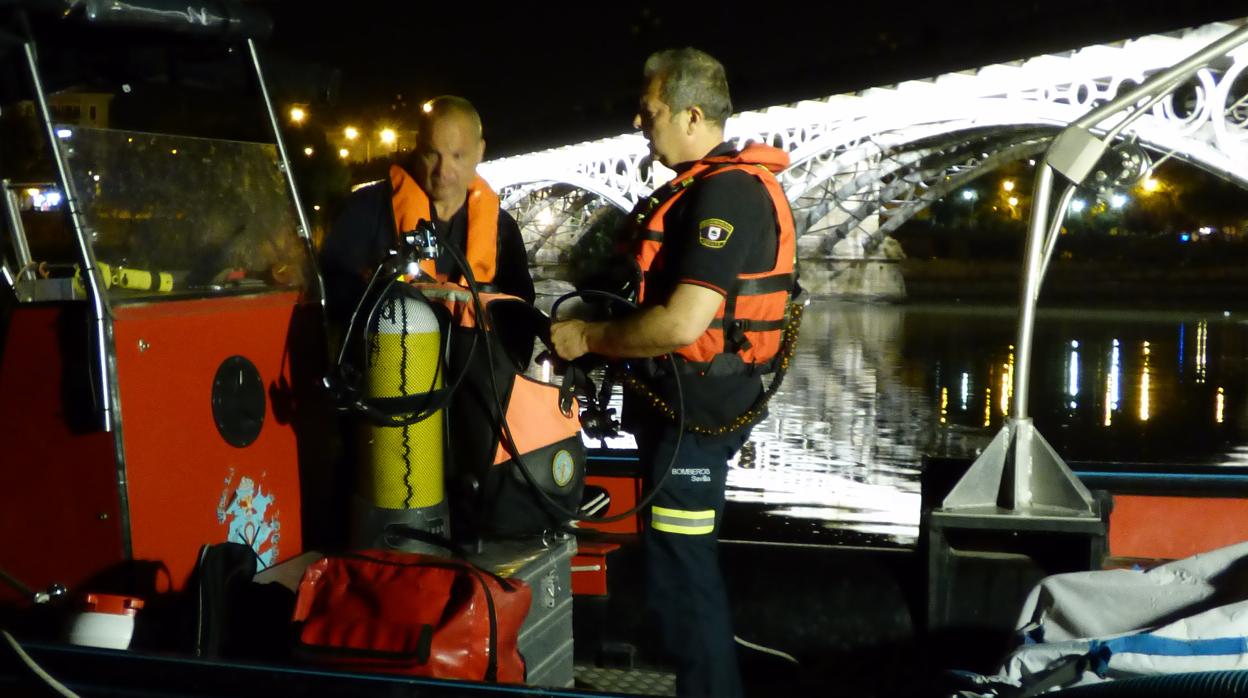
[906,141]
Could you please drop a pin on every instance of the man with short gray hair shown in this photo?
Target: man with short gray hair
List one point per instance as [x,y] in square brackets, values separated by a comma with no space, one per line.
[716,251]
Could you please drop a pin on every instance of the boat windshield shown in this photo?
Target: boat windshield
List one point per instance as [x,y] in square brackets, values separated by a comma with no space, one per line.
[175,215]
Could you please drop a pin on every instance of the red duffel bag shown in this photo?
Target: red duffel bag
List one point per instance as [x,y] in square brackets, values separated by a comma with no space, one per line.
[410,613]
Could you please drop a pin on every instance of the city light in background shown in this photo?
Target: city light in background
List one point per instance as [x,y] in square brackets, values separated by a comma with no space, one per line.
[388,136]
[1007,383]
[43,199]
[1202,349]
[351,133]
[988,407]
[298,115]
[1072,377]
[1144,384]
[1113,389]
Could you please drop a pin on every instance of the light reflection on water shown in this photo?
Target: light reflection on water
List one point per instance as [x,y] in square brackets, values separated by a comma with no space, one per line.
[874,387]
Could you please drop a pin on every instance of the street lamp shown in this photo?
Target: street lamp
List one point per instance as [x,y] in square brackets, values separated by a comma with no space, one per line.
[1008,185]
[308,151]
[343,153]
[297,115]
[388,136]
[351,133]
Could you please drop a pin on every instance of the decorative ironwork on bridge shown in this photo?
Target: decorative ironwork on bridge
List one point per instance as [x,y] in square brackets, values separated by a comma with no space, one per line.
[866,162]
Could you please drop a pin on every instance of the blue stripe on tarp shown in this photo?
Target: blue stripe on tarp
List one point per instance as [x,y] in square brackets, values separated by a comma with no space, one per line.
[1100,651]
[1145,643]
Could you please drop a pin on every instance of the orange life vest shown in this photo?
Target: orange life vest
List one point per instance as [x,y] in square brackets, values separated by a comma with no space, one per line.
[411,205]
[750,321]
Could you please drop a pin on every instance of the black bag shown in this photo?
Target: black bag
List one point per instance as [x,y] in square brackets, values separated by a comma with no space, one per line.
[233,616]
[489,493]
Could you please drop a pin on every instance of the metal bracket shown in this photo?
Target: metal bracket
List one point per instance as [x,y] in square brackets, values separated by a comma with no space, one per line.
[1075,152]
[1020,473]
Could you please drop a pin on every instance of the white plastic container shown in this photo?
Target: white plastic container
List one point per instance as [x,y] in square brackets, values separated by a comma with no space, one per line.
[106,621]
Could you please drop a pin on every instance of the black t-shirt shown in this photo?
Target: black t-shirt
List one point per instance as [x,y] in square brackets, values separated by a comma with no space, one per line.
[364,232]
[722,226]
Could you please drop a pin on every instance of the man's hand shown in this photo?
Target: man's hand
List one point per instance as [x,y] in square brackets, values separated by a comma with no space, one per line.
[652,331]
[568,338]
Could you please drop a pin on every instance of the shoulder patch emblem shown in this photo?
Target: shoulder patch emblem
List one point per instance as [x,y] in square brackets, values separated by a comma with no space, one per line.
[714,233]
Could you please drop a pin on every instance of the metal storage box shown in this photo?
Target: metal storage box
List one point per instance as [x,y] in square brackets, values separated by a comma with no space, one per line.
[546,637]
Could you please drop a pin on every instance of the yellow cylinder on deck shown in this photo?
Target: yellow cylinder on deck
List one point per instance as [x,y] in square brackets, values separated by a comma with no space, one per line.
[402,465]
[141,280]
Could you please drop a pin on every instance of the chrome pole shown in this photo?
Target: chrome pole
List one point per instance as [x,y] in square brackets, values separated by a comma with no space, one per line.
[89,271]
[1031,287]
[1055,230]
[21,247]
[305,230]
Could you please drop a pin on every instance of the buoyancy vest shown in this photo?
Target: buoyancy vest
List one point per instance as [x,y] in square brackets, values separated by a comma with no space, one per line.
[750,320]
[411,205]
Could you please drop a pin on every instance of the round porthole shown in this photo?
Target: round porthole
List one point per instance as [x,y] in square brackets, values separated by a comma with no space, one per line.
[238,401]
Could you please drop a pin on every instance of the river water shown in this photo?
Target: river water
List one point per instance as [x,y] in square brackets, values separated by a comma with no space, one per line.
[875,387]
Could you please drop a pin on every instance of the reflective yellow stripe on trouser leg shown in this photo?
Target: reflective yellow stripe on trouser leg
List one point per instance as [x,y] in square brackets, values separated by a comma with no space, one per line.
[689,523]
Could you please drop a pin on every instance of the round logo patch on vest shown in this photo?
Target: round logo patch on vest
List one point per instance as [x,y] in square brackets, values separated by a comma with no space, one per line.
[562,468]
[714,233]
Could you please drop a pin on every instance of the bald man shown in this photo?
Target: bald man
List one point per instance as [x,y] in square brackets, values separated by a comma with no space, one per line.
[438,182]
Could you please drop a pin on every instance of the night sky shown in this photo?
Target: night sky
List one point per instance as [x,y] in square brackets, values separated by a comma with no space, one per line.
[547,75]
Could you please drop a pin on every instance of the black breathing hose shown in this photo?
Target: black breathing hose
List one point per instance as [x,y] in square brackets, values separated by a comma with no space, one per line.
[437,399]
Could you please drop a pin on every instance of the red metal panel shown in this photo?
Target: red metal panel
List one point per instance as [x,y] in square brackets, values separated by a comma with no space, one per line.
[1174,527]
[625,492]
[187,485]
[59,504]
[589,568]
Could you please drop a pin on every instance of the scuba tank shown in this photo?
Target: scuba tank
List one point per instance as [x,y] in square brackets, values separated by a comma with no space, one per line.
[400,465]
[446,407]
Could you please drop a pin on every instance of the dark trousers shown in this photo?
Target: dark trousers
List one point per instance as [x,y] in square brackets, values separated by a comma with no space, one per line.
[684,585]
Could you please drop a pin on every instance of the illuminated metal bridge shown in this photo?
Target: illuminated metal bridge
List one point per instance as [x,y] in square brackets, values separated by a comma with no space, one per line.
[865,163]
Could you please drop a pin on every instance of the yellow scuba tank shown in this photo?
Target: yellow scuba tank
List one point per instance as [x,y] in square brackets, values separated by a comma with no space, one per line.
[400,467]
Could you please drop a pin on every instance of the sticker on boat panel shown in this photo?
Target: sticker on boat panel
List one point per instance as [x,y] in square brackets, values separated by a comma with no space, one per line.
[562,468]
[251,517]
